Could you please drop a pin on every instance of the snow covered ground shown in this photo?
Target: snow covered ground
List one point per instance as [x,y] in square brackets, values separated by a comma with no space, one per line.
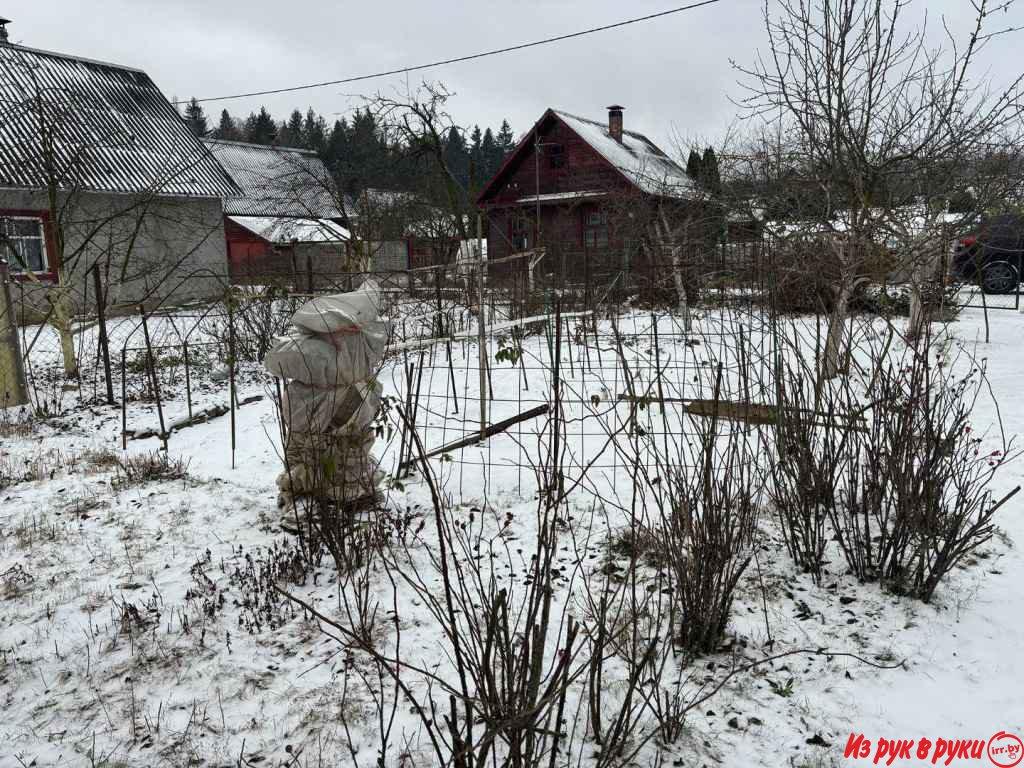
[139,625]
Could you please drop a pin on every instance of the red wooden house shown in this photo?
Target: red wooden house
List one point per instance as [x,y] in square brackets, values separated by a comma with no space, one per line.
[287,220]
[583,190]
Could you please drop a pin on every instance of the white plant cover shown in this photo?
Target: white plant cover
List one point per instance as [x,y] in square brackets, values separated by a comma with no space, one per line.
[329,360]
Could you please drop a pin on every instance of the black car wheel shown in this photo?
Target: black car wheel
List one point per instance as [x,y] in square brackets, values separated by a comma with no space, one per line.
[999,278]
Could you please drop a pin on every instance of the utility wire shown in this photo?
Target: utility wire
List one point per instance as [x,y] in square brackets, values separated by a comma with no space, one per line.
[459,59]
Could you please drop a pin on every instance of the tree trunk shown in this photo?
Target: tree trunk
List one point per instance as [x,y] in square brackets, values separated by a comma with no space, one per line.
[917,319]
[667,241]
[677,275]
[837,329]
[61,322]
[924,271]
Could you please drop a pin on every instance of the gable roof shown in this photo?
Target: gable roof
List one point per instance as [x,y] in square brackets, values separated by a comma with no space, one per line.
[112,129]
[276,181]
[638,159]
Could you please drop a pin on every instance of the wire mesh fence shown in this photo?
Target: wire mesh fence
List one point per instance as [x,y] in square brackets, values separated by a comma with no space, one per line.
[477,360]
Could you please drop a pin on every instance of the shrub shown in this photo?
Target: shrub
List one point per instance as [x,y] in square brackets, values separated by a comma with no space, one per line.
[918,500]
[708,534]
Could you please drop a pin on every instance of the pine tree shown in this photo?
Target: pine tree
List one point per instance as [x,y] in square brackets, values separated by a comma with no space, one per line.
[506,140]
[693,165]
[314,131]
[227,129]
[492,155]
[709,172]
[290,133]
[260,128]
[476,177]
[456,157]
[337,153]
[196,119]
[368,158]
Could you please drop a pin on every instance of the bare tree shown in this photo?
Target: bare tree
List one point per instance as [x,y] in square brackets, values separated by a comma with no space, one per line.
[420,121]
[876,121]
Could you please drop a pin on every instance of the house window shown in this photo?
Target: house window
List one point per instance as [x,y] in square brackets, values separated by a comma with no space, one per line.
[520,233]
[23,243]
[595,229]
[556,155]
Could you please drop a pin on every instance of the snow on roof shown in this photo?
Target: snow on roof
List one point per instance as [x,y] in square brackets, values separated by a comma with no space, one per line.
[637,157]
[555,197]
[112,129]
[276,181]
[282,230]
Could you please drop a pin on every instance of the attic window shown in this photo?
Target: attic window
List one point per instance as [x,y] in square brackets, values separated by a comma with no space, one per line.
[556,155]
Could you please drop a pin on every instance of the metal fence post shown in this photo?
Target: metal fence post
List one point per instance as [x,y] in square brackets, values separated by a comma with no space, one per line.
[101,318]
[13,390]
[481,333]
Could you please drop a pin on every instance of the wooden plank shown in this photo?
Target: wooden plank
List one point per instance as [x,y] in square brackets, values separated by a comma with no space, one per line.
[751,413]
[491,431]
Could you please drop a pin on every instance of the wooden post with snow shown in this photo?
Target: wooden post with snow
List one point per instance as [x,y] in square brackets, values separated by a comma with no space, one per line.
[12,370]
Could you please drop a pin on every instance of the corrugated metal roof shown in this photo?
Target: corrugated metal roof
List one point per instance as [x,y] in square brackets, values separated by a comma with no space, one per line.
[110,129]
[276,181]
[282,230]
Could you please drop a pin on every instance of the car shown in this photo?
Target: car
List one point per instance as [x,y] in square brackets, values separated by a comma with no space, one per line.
[992,255]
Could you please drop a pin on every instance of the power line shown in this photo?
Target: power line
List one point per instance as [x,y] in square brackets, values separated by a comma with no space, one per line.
[459,59]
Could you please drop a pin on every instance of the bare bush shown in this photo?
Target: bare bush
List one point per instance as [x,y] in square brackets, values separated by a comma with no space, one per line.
[814,440]
[918,499]
[709,529]
[248,322]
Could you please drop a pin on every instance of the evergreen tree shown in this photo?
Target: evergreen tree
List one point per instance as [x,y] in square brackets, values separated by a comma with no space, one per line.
[492,156]
[456,157]
[196,119]
[709,172]
[368,163]
[290,134]
[336,153]
[506,140]
[693,165]
[314,131]
[476,165]
[227,129]
[260,128]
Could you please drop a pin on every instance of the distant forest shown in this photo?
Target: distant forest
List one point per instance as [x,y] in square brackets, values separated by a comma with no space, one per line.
[358,153]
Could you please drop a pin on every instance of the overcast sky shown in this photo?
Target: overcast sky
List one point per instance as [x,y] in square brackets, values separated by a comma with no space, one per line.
[673,74]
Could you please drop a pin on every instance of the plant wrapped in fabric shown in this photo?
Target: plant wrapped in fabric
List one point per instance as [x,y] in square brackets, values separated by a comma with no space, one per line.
[329,360]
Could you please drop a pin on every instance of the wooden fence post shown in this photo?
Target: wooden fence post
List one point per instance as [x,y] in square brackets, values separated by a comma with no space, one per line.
[13,390]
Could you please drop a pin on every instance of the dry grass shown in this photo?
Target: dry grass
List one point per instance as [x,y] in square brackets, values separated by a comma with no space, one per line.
[147,468]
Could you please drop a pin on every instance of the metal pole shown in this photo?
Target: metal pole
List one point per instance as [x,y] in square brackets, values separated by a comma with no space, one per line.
[231,372]
[188,380]
[536,157]
[151,364]
[481,331]
[101,316]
